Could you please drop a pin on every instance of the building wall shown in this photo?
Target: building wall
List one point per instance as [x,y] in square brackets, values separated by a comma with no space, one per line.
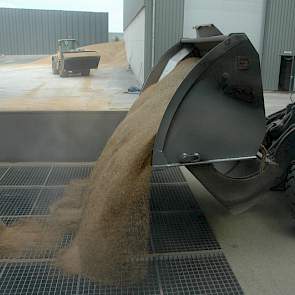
[268,23]
[279,39]
[168,25]
[134,36]
[28,31]
[130,9]
[230,16]
[164,26]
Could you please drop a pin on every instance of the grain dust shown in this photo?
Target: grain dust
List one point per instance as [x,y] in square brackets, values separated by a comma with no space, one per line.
[109,212]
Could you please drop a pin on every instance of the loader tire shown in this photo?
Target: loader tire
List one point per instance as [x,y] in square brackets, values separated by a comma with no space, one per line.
[290,188]
[85,73]
[62,72]
[54,68]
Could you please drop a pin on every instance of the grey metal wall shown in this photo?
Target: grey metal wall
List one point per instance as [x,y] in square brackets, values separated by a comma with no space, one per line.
[28,31]
[163,28]
[279,37]
[131,9]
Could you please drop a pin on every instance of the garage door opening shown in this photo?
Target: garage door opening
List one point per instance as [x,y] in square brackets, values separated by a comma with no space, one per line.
[287,73]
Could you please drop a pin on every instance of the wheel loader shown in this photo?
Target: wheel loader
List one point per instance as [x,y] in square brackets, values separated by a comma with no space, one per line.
[215,124]
[70,59]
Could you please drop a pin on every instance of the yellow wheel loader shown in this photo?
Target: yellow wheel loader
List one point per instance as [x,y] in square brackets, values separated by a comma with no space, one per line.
[70,59]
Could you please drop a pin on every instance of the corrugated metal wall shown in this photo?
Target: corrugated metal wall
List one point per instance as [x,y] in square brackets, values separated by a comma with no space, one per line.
[279,37]
[131,9]
[28,31]
[168,25]
[164,27]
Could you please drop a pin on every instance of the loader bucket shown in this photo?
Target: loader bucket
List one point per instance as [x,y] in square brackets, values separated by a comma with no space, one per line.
[216,119]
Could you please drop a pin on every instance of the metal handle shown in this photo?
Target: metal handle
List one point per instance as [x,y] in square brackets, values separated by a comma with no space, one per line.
[189,158]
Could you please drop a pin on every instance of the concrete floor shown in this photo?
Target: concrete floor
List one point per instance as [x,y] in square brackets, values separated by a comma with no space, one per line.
[260,243]
[28,85]
[275,101]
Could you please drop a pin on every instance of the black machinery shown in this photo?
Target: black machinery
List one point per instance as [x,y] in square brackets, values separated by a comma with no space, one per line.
[215,124]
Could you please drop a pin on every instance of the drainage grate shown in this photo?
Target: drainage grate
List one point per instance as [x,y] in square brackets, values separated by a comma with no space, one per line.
[189,275]
[172,197]
[63,175]
[46,198]
[181,232]
[36,278]
[167,175]
[17,201]
[25,176]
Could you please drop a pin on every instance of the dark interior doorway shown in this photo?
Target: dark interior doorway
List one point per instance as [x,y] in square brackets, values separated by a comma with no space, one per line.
[287,73]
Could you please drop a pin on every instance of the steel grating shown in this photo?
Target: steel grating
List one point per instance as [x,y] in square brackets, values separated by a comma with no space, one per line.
[63,175]
[167,175]
[38,250]
[26,175]
[172,197]
[149,286]
[180,237]
[192,275]
[3,170]
[36,278]
[181,232]
[47,197]
[15,202]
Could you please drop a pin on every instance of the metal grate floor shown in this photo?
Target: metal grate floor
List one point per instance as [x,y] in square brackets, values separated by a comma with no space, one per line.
[149,286]
[208,274]
[36,278]
[47,197]
[169,175]
[63,175]
[15,202]
[185,256]
[172,197]
[2,171]
[20,176]
[181,232]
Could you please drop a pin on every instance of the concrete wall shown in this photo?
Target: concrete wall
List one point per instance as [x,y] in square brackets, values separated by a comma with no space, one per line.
[33,31]
[230,16]
[134,36]
[55,136]
[279,39]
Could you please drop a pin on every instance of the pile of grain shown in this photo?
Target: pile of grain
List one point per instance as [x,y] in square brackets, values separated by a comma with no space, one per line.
[109,212]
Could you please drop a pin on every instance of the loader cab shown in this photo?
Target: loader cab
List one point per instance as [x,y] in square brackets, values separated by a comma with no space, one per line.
[67,45]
